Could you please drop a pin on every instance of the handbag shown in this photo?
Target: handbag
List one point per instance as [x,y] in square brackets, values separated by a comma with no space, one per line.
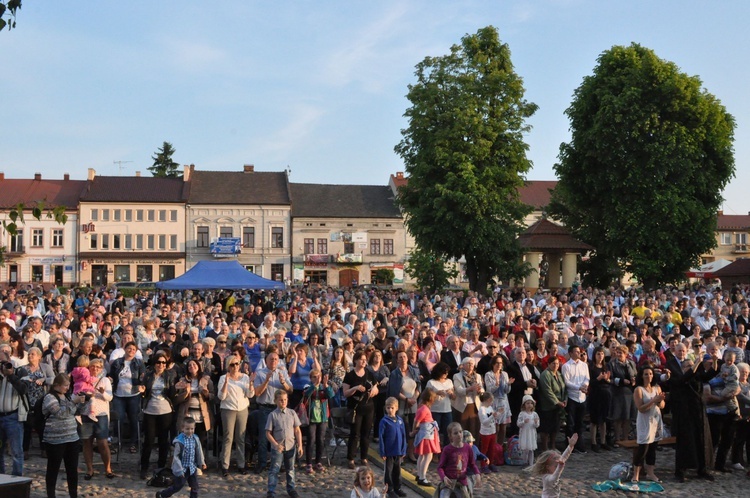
[304,418]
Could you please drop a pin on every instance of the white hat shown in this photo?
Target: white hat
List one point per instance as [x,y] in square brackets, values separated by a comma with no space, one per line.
[526,398]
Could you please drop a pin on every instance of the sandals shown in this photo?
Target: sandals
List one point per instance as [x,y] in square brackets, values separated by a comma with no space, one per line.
[88,476]
[133,449]
[110,475]
[653,479]
[309,469]
[352,464]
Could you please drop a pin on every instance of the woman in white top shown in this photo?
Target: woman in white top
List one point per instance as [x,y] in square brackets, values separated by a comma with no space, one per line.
[442,386]
[649,401]
[235,390]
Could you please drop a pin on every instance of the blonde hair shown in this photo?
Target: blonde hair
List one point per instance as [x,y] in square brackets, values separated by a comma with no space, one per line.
[83,361]
[362,471]
[540,465]
[391,401]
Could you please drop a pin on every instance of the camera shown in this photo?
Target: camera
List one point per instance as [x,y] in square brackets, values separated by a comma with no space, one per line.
[6,365]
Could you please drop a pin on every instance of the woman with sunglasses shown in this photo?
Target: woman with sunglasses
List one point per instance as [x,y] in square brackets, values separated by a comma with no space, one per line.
[158,411]
[234,391]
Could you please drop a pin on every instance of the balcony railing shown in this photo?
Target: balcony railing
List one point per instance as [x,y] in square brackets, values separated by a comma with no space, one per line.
[741,248]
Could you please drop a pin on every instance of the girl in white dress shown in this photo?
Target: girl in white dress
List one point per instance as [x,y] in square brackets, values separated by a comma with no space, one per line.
[528,422]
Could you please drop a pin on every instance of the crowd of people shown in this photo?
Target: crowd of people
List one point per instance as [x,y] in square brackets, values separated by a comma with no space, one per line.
[512,371]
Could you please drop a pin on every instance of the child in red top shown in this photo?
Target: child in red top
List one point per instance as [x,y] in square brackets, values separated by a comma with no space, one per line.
[427,439]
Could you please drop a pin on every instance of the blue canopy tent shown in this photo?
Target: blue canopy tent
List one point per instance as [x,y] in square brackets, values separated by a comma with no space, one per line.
[219,275]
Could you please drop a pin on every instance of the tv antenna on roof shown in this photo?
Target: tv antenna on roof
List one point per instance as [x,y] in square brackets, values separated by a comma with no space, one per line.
[120,164]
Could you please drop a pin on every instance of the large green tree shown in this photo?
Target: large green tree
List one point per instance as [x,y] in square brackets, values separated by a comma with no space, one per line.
[641,178]
[164,166]
[8,10]
[465,155]
[429,270]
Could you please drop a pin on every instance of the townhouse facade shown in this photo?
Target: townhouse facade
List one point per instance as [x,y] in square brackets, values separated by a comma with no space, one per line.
[344,234]
[244,215]
[43,252]
[132,229]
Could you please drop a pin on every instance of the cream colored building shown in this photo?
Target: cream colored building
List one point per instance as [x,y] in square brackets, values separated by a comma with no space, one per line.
[132,229]
[43,251]
[244,215]
[732,238]
[344,234]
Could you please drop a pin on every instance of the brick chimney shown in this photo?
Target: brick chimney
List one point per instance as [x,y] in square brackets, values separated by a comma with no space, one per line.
[721,212]
[187,172]
[37,176]
[2,175]
[249,168]
[66,176]
[92,174]
[137,174]
[400,175]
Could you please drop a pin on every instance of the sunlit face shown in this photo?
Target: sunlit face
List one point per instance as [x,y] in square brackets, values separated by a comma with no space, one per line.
[456,435]
[193,369]
[391,409]
[365,481]
[188,428]
[282,401]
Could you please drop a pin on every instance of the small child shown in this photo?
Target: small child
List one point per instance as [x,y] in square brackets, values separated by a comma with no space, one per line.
[457,469]
[364,484]
[83,385]
[550,465]
[482,461]
[488,432]
[528,422]
[392,446]
[728,382]
[187,459]
[283,432]
[427,441]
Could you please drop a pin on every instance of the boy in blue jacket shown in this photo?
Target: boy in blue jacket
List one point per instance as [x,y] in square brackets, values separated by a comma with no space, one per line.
[392,432]
[187,459]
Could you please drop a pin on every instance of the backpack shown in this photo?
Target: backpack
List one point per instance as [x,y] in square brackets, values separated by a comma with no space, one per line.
[622,471]
[514,455]
[162,478]
[39,419]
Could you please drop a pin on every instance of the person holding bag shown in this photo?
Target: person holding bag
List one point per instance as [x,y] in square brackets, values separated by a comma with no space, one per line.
[315,402]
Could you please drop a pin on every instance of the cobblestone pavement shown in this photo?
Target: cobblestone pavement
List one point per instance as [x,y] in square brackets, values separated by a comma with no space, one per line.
[580,473]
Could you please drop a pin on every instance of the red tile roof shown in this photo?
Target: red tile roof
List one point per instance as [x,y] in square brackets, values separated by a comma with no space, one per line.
[535,193]
[733,221]
[53,192]
[545,235]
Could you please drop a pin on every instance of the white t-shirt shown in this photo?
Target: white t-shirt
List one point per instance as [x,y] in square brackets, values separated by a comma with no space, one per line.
[442,404]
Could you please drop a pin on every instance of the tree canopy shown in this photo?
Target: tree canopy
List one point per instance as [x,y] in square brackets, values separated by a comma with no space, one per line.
[164,166]
[429,270]
[465,155]
[642,176]
[8,10]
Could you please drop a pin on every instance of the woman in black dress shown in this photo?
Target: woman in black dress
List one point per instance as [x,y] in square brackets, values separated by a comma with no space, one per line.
[360,388]
[600,397]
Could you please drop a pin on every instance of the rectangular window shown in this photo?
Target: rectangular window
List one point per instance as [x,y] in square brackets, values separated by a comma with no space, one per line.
[150,240]
[726,239]
[105,214]
[94,241]
[105,240]
[740,238]
[166,272]
[116,241]
[37,273]
[388,246]
[248,237]
[162,215]
[94,215]
[122,273]
[277,238]
[37,237]
[225,232]
[139,242]
[348,247]
[139,215]
[16,243]
[277,272]
[128,242]
[116,214]
[309,246]
[202,237]
[151,215]
[145,273]
[162,242]
[322,246]
[374,246]
[57,237]
[173,215]
[128,216]
[173,242]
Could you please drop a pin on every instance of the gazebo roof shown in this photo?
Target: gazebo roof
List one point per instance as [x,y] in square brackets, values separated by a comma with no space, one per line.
[547,236]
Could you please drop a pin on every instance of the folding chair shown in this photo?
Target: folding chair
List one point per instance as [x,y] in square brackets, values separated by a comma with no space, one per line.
[339,429]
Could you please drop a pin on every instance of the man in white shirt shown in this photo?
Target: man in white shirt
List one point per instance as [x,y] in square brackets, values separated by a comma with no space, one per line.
[576,375]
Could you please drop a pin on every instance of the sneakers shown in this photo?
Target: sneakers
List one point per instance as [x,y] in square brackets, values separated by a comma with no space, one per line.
[158,494]
[319,467]
[485,470]
[342,442]
[423,482]
[332,444]
[737,466]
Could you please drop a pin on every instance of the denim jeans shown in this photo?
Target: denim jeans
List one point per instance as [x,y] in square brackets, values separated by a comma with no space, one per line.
[128,407]
[11,434]
[179,482]
[262,413]
[273,474]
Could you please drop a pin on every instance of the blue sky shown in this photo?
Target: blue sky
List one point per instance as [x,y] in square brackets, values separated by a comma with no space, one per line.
[316,86]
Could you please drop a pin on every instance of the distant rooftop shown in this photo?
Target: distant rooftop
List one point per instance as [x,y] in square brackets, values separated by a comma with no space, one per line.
[343,201]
